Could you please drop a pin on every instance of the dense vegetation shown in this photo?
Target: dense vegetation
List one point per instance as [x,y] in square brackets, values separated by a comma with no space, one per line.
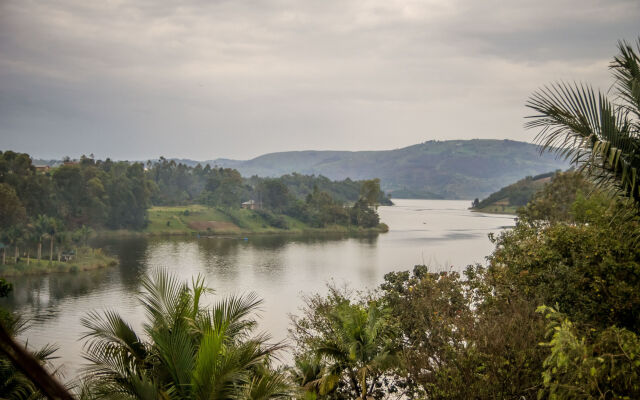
[455,169]
[64,205]
[180,184]
[511,197]
[59,209]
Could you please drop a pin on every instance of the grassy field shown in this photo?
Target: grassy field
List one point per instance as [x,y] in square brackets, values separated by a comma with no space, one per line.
[181,220]
[87,259]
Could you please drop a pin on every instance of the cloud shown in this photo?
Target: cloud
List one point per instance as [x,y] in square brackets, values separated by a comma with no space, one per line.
[207,79]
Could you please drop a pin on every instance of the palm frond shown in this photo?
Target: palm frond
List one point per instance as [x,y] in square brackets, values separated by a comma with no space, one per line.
[176,351]
[585,127]
[109,329]
[231,316]
[268,385]
[626,71]
[165,298]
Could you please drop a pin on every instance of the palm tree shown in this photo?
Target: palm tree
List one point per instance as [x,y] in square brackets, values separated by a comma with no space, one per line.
[192,352]
[13,236]
[313,376]
[41,227]
[53,225]
[361,348]
[600,135]
[85,232]
[62,241]
[30,236]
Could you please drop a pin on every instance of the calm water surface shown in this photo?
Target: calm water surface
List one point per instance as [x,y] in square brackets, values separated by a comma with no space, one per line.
[279,268]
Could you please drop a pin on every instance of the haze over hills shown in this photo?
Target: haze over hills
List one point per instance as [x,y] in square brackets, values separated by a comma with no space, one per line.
[455,169]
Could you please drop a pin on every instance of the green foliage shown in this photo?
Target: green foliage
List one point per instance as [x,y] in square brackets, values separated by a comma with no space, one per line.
[276,221]
[554,202]
[188,351]
[320,210]
[343,191]
[181,184]
[600,135]
[460,341]
[604,365]
[274,195]
[345,347]
[590,268]
[11,209]
[93,193]
[370,191]
[83,260]
[361,214]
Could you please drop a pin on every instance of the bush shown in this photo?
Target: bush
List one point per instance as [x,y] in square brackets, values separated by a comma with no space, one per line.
[276,221]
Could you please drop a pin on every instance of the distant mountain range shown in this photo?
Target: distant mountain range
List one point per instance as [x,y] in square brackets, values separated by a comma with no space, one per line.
[453,169]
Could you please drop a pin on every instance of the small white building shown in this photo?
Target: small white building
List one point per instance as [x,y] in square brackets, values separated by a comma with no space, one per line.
[251,205]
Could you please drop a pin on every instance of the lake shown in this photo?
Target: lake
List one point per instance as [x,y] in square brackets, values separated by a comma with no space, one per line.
[443,234]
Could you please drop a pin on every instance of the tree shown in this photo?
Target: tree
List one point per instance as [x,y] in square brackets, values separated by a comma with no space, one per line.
[370,191]
[363,215]
[188,351]
[273,194]
[53,226]
[600,135]
[84,232]
[11,209]
[41,229]
[344,347]
[12,235]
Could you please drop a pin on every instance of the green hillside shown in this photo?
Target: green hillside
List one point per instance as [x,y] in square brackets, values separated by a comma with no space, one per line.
[456,169]
[508,199]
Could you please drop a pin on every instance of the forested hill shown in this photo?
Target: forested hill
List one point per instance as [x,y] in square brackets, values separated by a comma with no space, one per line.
[510,198]
[456,169]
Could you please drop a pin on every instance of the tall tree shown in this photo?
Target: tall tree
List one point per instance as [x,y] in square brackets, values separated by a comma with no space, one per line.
[11,209]
[370,191]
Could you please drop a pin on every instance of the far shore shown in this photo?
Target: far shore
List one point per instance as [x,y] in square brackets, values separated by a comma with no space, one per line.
[194,220]
[507,210]
[87,259]
[381,228]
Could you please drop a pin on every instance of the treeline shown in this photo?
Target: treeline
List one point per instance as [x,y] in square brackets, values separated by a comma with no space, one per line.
[314,200]
[64,202]
[319,208]
[181,184]
[62,205]
[88,192]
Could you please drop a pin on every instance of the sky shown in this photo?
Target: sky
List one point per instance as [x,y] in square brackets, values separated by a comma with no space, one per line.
[204,79]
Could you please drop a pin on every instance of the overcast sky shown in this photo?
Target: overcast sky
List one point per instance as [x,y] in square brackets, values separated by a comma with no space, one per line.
[212,78]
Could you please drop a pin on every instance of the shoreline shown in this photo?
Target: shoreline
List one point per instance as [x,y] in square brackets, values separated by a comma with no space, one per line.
[381,228]
[511,211]
[89,259]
